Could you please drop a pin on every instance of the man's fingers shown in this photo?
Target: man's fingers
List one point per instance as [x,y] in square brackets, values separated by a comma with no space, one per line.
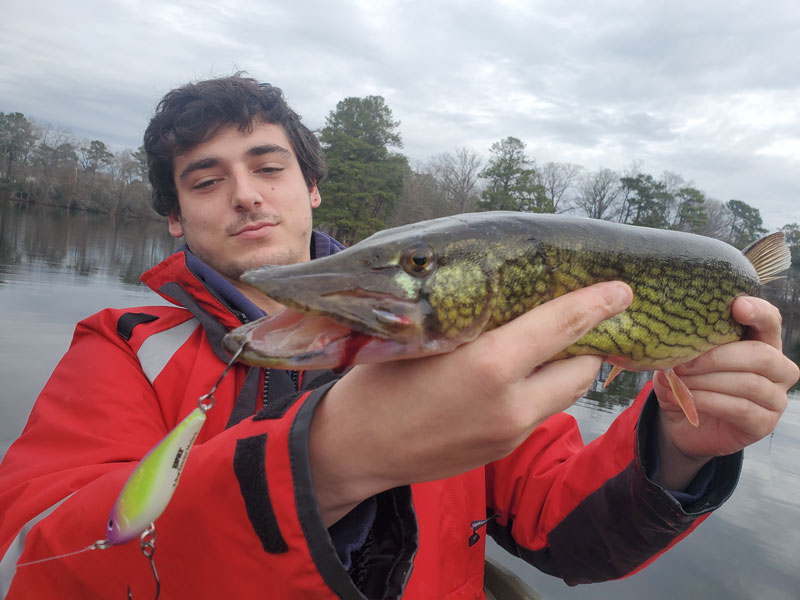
[750,386]
[543,332]
[746,356]
[763,320]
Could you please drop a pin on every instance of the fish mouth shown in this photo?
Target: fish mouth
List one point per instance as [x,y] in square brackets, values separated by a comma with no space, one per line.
[340,328]
[288,338]
[338,312]
[294,340]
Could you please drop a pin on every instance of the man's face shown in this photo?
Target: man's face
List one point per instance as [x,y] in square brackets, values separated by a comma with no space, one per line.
[243,199]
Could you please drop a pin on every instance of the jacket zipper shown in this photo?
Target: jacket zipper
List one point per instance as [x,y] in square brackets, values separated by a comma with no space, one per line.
[295,375]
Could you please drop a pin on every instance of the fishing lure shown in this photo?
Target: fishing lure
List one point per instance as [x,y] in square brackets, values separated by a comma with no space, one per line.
[151,485]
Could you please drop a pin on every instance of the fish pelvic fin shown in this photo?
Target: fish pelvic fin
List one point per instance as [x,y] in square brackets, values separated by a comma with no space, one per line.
[769,256]
[684,396]
[615,370]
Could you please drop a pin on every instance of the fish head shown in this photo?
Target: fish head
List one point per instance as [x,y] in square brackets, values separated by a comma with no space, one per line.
[402,293]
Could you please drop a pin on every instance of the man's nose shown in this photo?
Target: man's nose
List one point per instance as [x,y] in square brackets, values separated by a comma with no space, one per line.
[245,193]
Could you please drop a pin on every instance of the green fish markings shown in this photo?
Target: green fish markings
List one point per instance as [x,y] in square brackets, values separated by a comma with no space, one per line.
[429,287]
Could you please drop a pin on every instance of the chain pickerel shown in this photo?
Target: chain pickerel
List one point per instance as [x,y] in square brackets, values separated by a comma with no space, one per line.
[429,287]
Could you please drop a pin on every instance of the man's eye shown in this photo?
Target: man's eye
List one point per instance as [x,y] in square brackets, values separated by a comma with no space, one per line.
[269,170]
[206,183]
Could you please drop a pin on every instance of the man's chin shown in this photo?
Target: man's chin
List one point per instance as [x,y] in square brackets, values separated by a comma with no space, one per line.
[237,269]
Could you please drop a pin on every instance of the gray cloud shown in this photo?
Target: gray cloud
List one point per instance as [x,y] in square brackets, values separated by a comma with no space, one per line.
[705,89]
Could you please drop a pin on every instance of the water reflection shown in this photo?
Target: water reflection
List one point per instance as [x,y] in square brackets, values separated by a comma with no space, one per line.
[56,269]
[619,393]
[43,241]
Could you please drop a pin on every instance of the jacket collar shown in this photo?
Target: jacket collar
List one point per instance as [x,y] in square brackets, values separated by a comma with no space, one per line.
[213,292]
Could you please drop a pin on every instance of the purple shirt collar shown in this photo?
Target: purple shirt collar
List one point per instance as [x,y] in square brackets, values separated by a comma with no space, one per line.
[223,290]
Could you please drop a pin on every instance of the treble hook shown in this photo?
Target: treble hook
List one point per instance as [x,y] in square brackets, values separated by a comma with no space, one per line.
[148,543]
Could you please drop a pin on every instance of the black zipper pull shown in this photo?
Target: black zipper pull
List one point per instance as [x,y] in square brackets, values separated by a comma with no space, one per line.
[475,525]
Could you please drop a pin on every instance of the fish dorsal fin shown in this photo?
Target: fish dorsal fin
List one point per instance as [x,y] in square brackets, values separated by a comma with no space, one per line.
[769,255]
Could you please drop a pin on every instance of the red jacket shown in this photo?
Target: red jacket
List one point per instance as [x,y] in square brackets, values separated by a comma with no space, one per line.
[244,521]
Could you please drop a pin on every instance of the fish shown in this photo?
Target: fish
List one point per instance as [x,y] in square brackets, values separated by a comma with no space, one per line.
[426,288]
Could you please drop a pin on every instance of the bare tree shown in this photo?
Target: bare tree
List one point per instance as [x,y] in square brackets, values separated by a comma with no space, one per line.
[673,181]
[55,163]
[457,174]
[124,170]
[597,192]
[556,179]
[422,198]
[718,222]
[673,184]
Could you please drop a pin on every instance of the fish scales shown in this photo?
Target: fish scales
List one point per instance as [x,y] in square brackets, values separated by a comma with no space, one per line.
[425,288]
[683,286]
[664,325]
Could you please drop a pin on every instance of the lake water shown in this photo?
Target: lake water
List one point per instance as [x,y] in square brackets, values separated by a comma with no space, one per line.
[56,269]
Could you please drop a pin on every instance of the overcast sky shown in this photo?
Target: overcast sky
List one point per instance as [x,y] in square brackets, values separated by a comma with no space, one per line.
[707,89]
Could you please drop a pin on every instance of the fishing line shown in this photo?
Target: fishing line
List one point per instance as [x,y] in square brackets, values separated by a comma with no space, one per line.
[94,546]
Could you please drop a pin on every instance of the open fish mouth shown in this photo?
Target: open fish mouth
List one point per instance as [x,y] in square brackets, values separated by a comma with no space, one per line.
[337,313]
[291,339]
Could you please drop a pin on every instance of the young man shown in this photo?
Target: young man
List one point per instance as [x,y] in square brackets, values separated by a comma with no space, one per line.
[374,484]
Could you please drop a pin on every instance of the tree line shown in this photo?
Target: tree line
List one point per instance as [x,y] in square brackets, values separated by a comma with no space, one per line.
[371,185]
[50,166]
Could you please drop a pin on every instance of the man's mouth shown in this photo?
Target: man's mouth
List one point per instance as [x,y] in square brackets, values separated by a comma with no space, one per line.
[254,230]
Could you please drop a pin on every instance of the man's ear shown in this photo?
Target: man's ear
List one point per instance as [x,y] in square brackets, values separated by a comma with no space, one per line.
[313,194]
[175,225]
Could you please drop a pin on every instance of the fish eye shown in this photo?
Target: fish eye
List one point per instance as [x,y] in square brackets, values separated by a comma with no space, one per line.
[110,524]
[418,259]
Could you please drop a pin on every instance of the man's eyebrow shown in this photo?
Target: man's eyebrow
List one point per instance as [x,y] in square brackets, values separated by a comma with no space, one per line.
[267,149]
[196,165]
[209,162]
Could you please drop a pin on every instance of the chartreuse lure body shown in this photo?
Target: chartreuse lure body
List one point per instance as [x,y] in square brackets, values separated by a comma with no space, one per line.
[150,486]
[147,492]
[152,483]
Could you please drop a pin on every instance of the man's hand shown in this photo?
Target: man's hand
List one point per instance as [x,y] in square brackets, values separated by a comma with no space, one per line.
[395,423]
[740,393]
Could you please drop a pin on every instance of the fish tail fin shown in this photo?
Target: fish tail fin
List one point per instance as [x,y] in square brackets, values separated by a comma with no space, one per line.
[770,256]
[684,396]
[616,370]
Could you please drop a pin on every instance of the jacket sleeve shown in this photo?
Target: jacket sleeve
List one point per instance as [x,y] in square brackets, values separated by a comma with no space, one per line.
[243,520]
[591,513]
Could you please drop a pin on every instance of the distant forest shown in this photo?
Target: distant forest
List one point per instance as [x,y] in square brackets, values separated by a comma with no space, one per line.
[371,185]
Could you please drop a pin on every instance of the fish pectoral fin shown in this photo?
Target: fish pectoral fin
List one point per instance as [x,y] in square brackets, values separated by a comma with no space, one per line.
[615,370]
[684,396]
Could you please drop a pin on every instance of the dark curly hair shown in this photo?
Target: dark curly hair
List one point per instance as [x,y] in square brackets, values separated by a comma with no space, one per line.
[192,114]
